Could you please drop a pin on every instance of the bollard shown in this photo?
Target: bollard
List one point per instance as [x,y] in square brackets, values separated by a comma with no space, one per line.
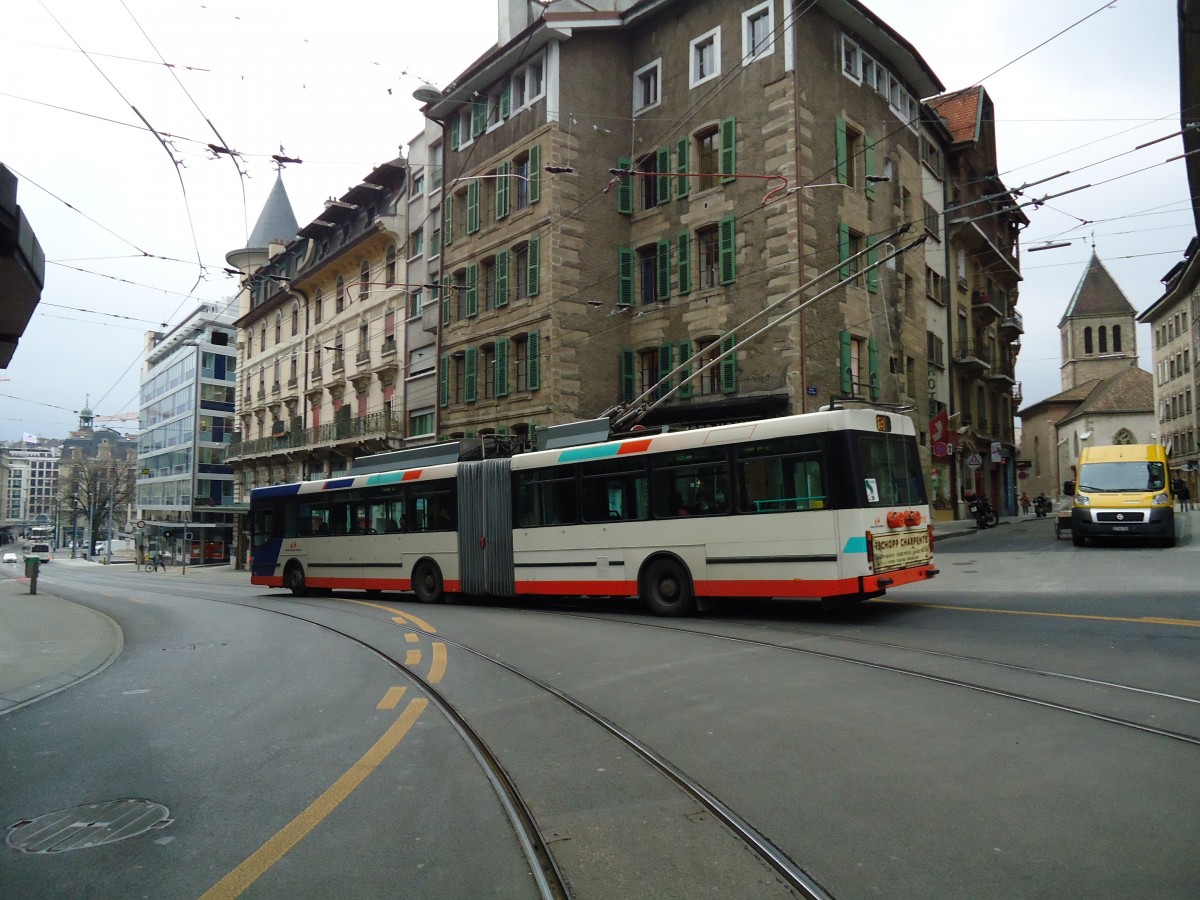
[32,563]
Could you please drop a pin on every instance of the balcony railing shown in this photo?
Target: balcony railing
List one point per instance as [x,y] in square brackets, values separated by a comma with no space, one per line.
[374,426]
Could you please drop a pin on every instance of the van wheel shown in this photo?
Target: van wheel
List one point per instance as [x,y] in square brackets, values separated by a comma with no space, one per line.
[427,583]
[293,580]
[666,588]
[1078,540]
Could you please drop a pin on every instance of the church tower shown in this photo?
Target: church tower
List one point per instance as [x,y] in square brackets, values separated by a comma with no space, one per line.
[1099,329]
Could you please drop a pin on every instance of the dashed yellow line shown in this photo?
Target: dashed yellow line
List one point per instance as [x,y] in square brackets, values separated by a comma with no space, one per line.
[438,668]
[1138,620]
[412,658]
[237,881]
[391,699]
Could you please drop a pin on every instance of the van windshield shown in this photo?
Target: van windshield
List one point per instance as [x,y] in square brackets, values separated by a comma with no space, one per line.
[1122,476]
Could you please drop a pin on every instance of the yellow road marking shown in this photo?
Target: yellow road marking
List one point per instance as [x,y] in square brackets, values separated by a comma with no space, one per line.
[399,615]
[237,881]
[438,668]
[1143,620]
[412,637]
[392,698]
[412,657]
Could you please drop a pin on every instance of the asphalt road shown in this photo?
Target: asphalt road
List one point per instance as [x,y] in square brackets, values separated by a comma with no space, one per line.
[1027,724]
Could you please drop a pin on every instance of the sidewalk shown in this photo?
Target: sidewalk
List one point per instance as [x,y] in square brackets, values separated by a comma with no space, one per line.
[48,643]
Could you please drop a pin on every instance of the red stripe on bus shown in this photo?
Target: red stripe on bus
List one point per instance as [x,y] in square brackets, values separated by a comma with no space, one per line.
[640,446]
[412,474]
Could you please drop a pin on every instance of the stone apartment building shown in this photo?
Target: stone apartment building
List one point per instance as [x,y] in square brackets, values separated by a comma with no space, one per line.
[626,186]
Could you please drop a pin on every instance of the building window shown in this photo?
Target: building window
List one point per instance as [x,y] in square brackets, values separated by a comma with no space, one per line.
[278,327]
[262,337]
[647,261]
[850,59]
[487,363]
[364,279]
[519,349]
[1087,340]
[295,317]
[1116,341]
[435,243]
[708,256]
[435,167]
[416,243]
[318,307]
[389,265]
[705,55]
[339,296]
[420,423]
[415,303]
[488,279]
[521,171]
[758,32]
[1103,339]
[646,87]
[418,185]
[708,152]
[521,262]
[850,151]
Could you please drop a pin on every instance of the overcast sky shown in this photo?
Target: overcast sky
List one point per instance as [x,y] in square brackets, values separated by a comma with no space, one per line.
[133,242]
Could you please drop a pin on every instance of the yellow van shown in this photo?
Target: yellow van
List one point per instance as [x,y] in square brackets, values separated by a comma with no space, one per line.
[1122,491]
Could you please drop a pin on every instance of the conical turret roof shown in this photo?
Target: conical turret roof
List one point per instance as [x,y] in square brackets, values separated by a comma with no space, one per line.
[276,222]
[1097,294]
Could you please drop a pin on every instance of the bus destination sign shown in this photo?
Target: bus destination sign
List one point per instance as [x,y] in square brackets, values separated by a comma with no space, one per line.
[901,549]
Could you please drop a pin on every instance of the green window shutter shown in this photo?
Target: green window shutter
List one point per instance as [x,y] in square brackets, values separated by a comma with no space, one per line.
[685,353]
[502,186]
[843,250]
[868,166]
[728,148]
[501,278]
[627,375]
[447,300]
[501,367]
[840,146]
[472,379]
[533,378]
[478,117]
[728,248]
[663,181]
[444,381]
[506,100]
[684,243]
[872,274]
[625,186]
[533,276]
[663,270]
[472,303]
[472,207]
[664,369]
[873,367]
[625,265]
[448,219]
[844,362]
[455,141]
[682,182]
[728,366]
[535,173]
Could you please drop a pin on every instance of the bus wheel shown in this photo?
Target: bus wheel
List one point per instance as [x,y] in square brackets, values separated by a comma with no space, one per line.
[293,580]
[427,583]
[666,589]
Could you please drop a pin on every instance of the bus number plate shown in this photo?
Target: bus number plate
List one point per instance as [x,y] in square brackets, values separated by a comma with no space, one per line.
[900,550]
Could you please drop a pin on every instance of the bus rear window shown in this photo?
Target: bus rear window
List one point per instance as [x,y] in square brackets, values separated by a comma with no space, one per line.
[890,470]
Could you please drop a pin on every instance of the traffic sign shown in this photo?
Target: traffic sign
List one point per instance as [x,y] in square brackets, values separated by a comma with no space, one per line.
[974,462]
[141,524]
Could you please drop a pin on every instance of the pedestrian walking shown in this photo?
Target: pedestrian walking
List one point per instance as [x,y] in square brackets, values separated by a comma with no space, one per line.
[1025,502]
[1184,493]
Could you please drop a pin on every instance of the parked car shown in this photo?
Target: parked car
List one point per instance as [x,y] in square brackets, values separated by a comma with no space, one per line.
[11,557]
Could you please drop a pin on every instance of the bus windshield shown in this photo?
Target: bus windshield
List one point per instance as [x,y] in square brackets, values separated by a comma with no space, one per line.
[891,470]
[1139,476]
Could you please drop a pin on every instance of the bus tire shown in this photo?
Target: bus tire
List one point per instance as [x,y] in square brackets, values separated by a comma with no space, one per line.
[293,580]
[427,582]
[666,588]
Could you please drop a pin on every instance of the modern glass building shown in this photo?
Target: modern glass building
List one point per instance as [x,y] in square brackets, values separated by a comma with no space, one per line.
[186,417]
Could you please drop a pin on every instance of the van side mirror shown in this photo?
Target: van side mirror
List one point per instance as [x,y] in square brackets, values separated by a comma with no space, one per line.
[1069,488]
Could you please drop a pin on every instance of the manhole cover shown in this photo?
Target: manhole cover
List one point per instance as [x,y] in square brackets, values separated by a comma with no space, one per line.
[87,826]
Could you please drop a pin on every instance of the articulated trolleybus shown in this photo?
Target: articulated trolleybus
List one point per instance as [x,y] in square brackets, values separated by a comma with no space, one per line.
[828,505]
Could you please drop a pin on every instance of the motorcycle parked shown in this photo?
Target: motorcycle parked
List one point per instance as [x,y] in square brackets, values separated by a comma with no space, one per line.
[985,516]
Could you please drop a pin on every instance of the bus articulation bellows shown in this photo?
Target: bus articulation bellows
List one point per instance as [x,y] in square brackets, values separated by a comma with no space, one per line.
[827,505]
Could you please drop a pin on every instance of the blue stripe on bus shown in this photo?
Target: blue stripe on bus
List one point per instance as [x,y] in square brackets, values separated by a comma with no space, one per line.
[277,490]
[334,484]
[577,454]
[856,545]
